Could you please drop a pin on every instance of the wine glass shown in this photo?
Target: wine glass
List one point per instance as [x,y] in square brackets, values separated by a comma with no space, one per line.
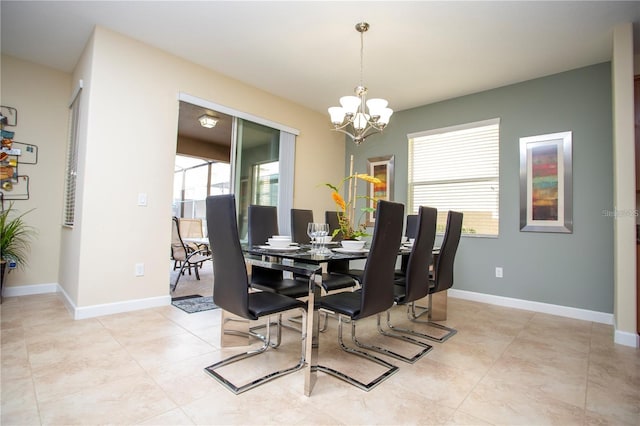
[322,232]
[311,232]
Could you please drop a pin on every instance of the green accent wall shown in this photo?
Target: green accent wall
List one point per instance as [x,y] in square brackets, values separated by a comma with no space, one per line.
[574,270]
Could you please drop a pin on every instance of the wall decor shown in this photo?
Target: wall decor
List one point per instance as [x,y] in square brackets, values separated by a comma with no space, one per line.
[13,184]
[381,168]
[546,183]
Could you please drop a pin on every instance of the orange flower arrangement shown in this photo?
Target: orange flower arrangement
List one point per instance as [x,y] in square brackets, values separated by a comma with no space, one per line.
[349,227]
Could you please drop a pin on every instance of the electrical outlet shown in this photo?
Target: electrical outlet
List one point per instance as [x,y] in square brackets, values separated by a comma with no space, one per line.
[139,269]
[498,272]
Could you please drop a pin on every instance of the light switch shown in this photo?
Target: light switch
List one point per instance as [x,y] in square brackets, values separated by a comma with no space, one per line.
[142,199]
[139,269]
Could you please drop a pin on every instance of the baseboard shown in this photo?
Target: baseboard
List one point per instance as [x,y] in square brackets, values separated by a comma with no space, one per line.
[27,290]
[546,308]
[119,307]
[87,311]
[627,339]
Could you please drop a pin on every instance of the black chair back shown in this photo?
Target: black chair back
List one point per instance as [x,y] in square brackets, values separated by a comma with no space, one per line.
[411,230]
[231,283]
[331,217]
[299,220]
[417,277]
[444,265]
[262,224]
[378,274]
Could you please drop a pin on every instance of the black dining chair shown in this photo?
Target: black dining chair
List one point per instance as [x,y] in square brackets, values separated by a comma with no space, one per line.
[442,275]
[376,294]
[414,285]
[262,225]
[411,228]
[410,231]
[331,217]
[300,219]
[231,290]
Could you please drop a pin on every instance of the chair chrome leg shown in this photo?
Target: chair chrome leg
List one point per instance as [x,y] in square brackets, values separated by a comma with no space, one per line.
[211,370]
[411,314]
[397,332]
[425,347]
[391,369]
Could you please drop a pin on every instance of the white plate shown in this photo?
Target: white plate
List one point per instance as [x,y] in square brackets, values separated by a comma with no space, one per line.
[344,250]
[290,248]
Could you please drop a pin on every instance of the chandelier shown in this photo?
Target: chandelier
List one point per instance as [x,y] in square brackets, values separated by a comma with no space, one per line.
[351,118]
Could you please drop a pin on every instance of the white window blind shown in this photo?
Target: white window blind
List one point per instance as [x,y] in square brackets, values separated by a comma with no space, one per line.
[71,175]
[457,168]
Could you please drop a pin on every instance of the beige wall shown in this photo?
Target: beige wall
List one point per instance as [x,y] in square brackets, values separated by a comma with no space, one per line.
[40,95]
[624,183]
[128,135]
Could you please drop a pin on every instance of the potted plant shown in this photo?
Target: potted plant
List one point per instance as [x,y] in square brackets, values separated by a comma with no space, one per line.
[15,241]
[350,226]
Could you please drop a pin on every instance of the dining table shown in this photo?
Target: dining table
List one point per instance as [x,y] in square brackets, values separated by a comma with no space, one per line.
[313,263]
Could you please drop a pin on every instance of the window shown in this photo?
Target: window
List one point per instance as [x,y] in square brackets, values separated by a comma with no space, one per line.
[457,168]
[71,172]
[266,176]
[195,179]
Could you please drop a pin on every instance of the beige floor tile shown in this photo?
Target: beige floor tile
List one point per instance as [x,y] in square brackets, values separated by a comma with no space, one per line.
[463,419]
[509,404]
[504,366]
[618,404]
[83,372]
[186,381]
[125,401]
[559,383]
[19,405]
[168,349]
[170,418]
[53,350]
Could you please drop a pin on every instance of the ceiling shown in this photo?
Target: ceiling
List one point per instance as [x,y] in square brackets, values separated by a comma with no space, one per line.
[415,53]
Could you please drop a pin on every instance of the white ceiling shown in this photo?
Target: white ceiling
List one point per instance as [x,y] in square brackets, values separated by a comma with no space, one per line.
[308,51]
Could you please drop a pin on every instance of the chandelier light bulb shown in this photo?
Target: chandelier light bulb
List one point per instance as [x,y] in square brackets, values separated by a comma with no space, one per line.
[350,104]
[376,106]
[337,115]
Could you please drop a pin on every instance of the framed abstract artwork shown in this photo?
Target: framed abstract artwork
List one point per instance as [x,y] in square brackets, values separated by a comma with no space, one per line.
[546,183]
[381,168]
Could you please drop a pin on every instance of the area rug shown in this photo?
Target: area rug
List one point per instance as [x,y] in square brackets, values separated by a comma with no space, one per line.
[194,303]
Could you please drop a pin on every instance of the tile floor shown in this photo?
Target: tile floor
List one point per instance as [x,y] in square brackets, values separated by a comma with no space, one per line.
[505,366]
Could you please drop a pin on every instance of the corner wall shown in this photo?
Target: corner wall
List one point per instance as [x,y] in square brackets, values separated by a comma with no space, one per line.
[40,95]
[128,145]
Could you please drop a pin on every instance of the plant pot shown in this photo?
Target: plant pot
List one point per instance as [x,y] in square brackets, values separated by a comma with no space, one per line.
[4,269]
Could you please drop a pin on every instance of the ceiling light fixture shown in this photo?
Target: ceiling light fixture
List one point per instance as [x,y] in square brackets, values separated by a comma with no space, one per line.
[351,118]
[208,121]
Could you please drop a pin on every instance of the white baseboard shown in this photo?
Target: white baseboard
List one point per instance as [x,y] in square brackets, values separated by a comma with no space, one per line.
[26,290]
[527,305]
[119,307]
[620,337]
[87,311]
[627,339]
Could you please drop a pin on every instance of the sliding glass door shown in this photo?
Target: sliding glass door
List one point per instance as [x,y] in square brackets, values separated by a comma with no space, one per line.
[257,168]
